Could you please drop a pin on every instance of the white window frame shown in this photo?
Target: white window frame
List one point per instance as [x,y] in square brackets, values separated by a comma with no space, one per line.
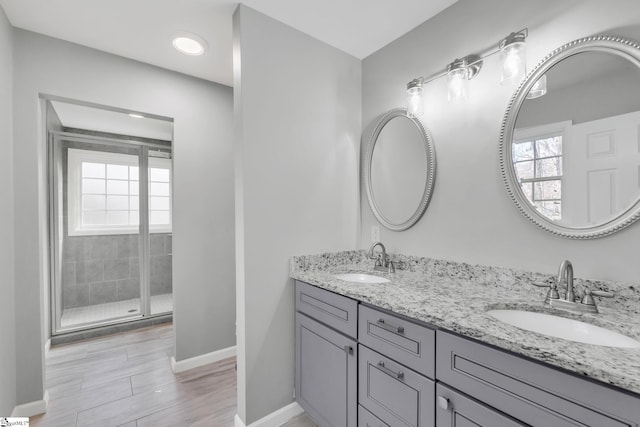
[75,158]
[534,133]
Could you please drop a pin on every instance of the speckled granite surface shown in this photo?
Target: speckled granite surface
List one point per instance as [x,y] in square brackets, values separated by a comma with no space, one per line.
[456,296]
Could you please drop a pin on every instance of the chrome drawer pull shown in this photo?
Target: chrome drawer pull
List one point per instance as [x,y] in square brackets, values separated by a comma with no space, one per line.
[348,349]
[384,325]
[399,375]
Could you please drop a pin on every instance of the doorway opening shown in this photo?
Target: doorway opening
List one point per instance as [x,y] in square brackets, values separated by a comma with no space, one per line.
[110,215]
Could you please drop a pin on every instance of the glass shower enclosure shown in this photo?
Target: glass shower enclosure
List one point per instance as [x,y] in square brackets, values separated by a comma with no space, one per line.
[110,229]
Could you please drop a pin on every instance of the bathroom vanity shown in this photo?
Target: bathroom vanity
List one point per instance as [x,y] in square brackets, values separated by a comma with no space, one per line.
[420,350]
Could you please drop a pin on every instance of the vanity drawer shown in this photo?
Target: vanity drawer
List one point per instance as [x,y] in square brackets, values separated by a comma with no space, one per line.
[455,409]
[341,313]
[394,394]
[411,344]
[512,384]
[367,419]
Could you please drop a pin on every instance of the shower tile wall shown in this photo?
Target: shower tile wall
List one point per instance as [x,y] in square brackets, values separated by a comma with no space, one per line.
[100,269]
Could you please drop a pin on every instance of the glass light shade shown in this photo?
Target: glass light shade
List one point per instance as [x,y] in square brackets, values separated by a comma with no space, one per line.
[539,88]
[457,82]
[514,63]
[415,103]
[415,107]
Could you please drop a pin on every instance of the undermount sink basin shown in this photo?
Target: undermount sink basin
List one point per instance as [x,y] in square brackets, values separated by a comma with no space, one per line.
[560,327]
[361,278]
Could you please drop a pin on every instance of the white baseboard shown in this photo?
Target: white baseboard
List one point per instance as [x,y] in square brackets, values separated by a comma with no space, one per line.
[204,359]
[274,419]
[32,408]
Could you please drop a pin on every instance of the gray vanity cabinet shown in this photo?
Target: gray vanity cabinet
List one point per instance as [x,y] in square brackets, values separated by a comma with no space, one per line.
[531,392]
[326,358]
[358,365]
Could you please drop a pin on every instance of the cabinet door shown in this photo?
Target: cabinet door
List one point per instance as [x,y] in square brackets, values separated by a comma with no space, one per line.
[395,394]
[455,409]
[325,373]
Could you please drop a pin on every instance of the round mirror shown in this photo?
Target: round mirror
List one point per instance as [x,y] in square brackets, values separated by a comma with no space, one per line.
[570,151]
[399,170]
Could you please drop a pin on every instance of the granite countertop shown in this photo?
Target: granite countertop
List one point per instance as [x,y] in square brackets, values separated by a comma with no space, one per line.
[456,297]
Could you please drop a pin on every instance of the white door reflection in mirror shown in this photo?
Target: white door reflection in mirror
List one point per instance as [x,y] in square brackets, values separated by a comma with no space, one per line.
[606,152]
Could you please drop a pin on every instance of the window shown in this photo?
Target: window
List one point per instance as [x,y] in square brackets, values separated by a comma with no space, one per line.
[103,193]
[538,164]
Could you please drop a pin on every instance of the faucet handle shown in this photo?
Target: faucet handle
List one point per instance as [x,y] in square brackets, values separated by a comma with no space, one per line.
[589,294]
[552,293]
[392,267]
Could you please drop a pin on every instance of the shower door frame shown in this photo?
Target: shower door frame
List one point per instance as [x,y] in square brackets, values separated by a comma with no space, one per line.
[54,141]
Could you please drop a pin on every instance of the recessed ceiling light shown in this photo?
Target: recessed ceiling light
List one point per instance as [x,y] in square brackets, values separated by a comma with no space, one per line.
[189,44]
[136,116]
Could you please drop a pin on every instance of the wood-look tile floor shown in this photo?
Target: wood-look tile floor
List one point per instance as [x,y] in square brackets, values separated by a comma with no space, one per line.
[126,380]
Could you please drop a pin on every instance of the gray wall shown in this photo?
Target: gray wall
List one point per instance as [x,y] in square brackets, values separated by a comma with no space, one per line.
[7,283]
[203,244]
[471,218]
[297,119]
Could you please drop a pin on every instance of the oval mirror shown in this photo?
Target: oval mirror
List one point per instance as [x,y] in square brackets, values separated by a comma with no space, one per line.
[399,170]
[570,157]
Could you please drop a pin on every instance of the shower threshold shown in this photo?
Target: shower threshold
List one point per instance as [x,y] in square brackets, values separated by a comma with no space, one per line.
[113,310]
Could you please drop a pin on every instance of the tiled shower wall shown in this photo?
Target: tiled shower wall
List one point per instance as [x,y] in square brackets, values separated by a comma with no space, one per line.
[100,269]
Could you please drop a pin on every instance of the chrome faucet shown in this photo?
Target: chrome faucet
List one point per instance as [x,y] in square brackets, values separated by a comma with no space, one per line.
[383,263]
[565,272]
[586,305]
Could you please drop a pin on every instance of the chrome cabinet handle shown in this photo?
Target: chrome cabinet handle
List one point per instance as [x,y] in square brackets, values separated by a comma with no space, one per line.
[384,325]
[399,375]
[443,402]
[348,349]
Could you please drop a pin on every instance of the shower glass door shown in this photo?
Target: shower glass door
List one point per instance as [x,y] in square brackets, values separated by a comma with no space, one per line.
[110,210]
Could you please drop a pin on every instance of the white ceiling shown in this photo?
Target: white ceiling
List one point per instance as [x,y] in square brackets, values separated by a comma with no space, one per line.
[143,29]
[102,120]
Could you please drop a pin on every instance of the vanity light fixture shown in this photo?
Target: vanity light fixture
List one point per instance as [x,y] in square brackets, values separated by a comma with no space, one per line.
[466,68]
[416,104]
[458,73]
[513,58]
[189,44]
